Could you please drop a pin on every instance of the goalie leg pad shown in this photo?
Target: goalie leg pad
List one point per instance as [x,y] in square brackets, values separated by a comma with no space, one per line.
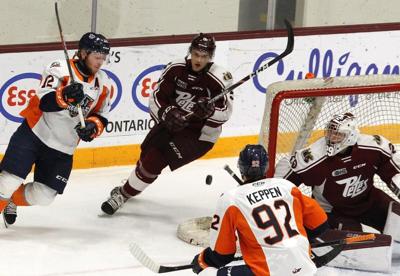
[8,184]
[39,194]
[358,256]
[392,226]
[361,259]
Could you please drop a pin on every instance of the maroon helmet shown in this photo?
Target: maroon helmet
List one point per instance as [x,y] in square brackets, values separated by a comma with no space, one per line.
[203,42]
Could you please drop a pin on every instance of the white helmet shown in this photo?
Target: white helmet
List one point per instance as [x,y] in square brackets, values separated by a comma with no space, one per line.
[340,133]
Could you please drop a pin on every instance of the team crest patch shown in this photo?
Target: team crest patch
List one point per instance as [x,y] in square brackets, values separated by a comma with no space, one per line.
[307,155]
[392,148]
[293,162]
[378,139]
[227,76]
[55,64]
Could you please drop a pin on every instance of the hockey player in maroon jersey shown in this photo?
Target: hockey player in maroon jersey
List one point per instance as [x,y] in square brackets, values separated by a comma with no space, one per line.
[184,87]
[51,130]
[340,168]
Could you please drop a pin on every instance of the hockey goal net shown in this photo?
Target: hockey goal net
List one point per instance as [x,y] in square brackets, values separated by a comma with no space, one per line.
[296,112]
[295,116]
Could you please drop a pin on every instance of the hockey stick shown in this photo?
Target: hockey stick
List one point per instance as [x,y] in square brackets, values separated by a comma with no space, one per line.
[338,246]
[350,240]
[80,113]
[319,261]
[229,170]
[146,261]
[288,50]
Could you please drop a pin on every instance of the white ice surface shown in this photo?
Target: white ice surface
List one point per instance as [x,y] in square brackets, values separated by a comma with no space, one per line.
[72,237]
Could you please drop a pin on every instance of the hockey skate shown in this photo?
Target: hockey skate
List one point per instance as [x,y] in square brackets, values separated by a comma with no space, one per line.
[116,200]
[10,213]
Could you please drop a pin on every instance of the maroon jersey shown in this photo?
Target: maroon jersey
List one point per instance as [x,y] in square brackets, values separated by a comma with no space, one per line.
[182,87]
[343,184]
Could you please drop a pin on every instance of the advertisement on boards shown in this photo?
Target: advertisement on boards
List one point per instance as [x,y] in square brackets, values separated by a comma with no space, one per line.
[134,72]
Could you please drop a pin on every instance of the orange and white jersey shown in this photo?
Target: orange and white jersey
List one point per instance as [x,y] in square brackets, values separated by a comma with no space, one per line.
[268,216]
[56,129]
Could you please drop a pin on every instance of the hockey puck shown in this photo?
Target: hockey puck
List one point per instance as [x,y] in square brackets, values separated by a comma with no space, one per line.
[209,179]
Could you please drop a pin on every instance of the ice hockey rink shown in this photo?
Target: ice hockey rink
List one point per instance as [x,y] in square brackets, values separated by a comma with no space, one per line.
[72,237]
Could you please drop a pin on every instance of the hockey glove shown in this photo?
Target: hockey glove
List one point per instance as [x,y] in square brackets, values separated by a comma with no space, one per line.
[174,119]
[202,109]
[197,264]
[94,127]
[70,95]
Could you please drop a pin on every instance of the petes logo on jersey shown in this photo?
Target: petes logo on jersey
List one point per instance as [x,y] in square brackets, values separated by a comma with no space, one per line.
[184,100]
[354,186]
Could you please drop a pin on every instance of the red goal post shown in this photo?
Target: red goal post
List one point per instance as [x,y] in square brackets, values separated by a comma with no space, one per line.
[296,112]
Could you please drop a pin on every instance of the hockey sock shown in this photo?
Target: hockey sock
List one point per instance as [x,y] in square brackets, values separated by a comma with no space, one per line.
[128,191]
[3,204]
[18,196]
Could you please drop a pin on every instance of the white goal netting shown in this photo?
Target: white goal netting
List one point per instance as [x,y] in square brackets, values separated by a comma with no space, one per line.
[296,112]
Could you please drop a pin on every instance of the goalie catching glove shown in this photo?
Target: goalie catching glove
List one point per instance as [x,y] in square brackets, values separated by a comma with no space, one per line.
[203,109]
[174,118]
[94,127]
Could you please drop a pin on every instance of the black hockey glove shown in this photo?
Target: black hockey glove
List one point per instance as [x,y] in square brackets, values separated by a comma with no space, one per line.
[196,267]
[202,109]
[88,133]
[73,94]
[174,119]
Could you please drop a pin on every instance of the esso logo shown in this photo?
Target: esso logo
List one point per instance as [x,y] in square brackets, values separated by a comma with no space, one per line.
[144,84]
[116,96]
[16,93]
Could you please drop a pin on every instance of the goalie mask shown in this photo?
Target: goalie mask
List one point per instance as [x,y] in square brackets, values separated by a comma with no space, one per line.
[340,133]
[253,162]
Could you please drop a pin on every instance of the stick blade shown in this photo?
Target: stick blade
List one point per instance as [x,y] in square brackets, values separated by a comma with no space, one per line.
[290,35]
[142,257]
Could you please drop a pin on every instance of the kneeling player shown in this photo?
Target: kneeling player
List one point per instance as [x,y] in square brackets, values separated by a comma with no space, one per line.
[270,217]
[340,168]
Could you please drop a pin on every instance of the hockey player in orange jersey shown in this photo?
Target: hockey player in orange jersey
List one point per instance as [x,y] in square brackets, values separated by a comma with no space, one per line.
[272,220]
[51,130]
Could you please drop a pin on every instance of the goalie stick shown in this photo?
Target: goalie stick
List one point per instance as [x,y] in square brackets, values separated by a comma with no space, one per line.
[287,51]
[319,261]
[64,45]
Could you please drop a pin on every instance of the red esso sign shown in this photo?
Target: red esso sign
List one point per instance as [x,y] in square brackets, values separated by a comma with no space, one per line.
[15,94]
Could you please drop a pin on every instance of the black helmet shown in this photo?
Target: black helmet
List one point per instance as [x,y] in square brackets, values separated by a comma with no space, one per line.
[93,42]
[203,42]
[253,162]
